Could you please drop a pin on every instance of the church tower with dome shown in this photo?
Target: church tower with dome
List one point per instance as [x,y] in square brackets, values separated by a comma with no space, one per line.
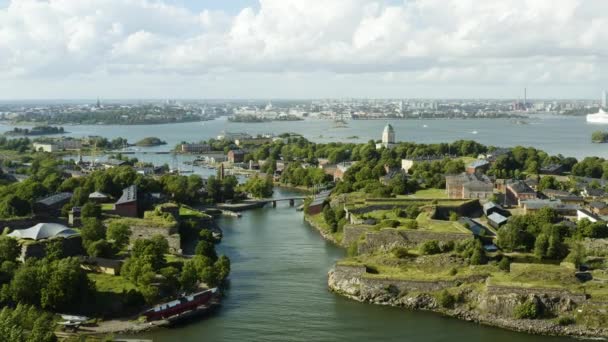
[388,137]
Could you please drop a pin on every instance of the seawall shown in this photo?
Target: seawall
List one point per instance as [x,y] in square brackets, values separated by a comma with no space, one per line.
[477,302]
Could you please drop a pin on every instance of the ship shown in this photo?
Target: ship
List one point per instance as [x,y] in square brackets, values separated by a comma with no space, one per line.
[184,307]
[600,117]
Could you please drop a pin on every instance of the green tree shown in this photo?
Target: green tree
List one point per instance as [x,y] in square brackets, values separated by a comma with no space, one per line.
[577,254]
[90,210]
[541,245]
[188,277]
[206,248]
[12,206]
[92,230]
[9,249]
[222,266]
[119,234]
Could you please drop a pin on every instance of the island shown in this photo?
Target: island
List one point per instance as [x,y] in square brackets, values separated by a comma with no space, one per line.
[599,137]
[251,118]
[150,141]
[509,237]
[37,130]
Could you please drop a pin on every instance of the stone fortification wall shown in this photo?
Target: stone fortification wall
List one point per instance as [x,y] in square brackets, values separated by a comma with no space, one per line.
[388,238]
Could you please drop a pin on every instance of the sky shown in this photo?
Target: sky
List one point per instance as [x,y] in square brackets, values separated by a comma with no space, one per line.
[270,49]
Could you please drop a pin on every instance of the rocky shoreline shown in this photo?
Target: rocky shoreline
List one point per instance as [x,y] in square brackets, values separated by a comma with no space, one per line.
[352,286]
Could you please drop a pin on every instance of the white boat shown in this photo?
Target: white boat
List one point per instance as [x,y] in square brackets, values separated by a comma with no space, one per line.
[600,117]
[474,132]
[73,318]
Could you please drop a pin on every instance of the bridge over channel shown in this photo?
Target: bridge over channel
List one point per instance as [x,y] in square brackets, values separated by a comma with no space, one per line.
[258,203]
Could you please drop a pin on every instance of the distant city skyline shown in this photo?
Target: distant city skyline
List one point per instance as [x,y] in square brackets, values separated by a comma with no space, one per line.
[295,49]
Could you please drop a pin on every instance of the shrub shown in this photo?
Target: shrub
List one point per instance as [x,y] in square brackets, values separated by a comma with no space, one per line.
[478,257]
[352,250]
[410,224]
[446,299]
[412,211]
[526,310]
[454,216]
[446,246]
[505,264]
[430,247]
[453,271]
[400,252]
[390,223]
[565,320]
[399,212]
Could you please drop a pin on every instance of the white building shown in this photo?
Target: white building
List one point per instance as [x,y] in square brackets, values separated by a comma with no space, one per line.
[388,137]
[46,147]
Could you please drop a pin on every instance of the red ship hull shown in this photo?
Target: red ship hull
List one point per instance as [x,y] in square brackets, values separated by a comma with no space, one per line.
[180,305]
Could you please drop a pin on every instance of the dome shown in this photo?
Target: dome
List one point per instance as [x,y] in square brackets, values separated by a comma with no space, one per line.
[43,231]
[388,129]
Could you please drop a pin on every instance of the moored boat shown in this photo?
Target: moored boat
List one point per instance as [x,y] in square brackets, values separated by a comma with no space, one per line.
[599,117]
[184,306]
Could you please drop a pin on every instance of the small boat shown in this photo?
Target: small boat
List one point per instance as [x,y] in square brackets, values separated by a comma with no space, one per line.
[184,306]
[73,318]
[474,132]
[600,117]
[425,126]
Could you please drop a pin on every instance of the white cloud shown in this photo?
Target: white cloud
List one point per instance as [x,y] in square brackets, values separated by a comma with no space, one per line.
[417,41]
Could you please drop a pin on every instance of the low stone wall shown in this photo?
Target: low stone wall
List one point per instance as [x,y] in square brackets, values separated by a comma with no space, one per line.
[353,233]
[147,232]
[355,282]
[502,300]
[470,208]
[388,238]
[71,246]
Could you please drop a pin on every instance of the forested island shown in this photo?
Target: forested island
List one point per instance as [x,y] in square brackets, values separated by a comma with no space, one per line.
[599,137]
[111,115]
[251,118]
[150,141]
[37,130]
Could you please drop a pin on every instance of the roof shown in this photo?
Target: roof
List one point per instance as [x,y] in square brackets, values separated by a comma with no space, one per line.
[476,228]
[497,218]
[55,198]
[129,194]
[490,205]
[478,163]
[553,204]
[388,128]
[589,214]
[520,187]
[114,162]
[490,247]
[598,205]
[43,231]
[595,192]
[98,194]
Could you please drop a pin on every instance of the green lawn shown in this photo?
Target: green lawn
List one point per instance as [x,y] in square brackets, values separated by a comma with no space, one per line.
[439,226]
[429,194]
[110,283]
[428,268]
[107,206]
[186,211]
[537,275]
[425,223]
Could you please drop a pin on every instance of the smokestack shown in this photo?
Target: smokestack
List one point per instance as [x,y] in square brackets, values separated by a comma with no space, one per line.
[525,98]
